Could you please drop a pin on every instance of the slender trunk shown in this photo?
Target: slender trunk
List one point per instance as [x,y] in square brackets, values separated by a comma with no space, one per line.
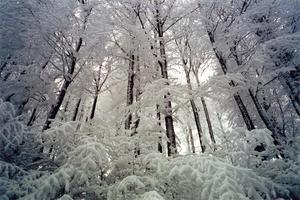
[32,117]
[66,108]
[55,108]
[70,72]
[130,87]
[206,112]
[76,109]
[276,132]
[158,116]
[221,124]
[138,92]
[92,115]
[194,107]
[198,125]
[169,122]
[210,130]
[191,138]
[62,93]
[245,114]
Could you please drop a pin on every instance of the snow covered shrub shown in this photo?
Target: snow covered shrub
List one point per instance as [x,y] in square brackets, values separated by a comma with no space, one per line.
[285,173]
[240,147]
[18,144]
[60,140]
[193,177]
[16,183]
[11,132]
[132,187]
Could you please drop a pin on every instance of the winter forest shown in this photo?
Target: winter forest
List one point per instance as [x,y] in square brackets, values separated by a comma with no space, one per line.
[150,99]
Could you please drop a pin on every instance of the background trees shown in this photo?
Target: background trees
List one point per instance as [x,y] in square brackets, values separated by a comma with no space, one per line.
[104,99]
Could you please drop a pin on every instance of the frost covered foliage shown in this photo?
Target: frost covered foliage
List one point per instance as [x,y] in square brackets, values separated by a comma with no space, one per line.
[256,150]
[18,145]
[191,177]
[247,148]
[19,155]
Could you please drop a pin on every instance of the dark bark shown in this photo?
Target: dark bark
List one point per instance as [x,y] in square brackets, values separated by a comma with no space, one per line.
[66,108]
[210,130]
[62,93]
[138,92]
[158,116]
[76,109]
[92,115]
[192,139]
[194,107]
[32,117]
[55,108]
[245,114]
[68,78]
[130,87]
[276,132]
[198,125]
[169,123]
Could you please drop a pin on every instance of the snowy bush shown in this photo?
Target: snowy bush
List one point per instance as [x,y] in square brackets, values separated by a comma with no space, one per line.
[18,144]
[193,177]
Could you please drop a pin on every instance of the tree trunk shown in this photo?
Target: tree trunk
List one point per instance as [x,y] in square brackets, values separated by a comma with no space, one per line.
[92,115]
[158,116]
[276,132]
[55,108]
[194,107]
[138,92]
[198,125]
[191,139]
[130,87]
[210,130]
[67,77]
[169,123]
[245,114]
[66,108]
[76,109]
[206,112]
[32,117]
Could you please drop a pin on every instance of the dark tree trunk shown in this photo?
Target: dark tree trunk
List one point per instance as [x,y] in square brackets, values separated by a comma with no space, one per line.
[245,114]
[276,132]
[138,92]
[194,107]
[210,130]
[130,87]
[192,139]
[32,117]
[169,123]
[76,109]
[62,93]
[198,125]
[158,116]
[55,108]
[92,115]
[66,108]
